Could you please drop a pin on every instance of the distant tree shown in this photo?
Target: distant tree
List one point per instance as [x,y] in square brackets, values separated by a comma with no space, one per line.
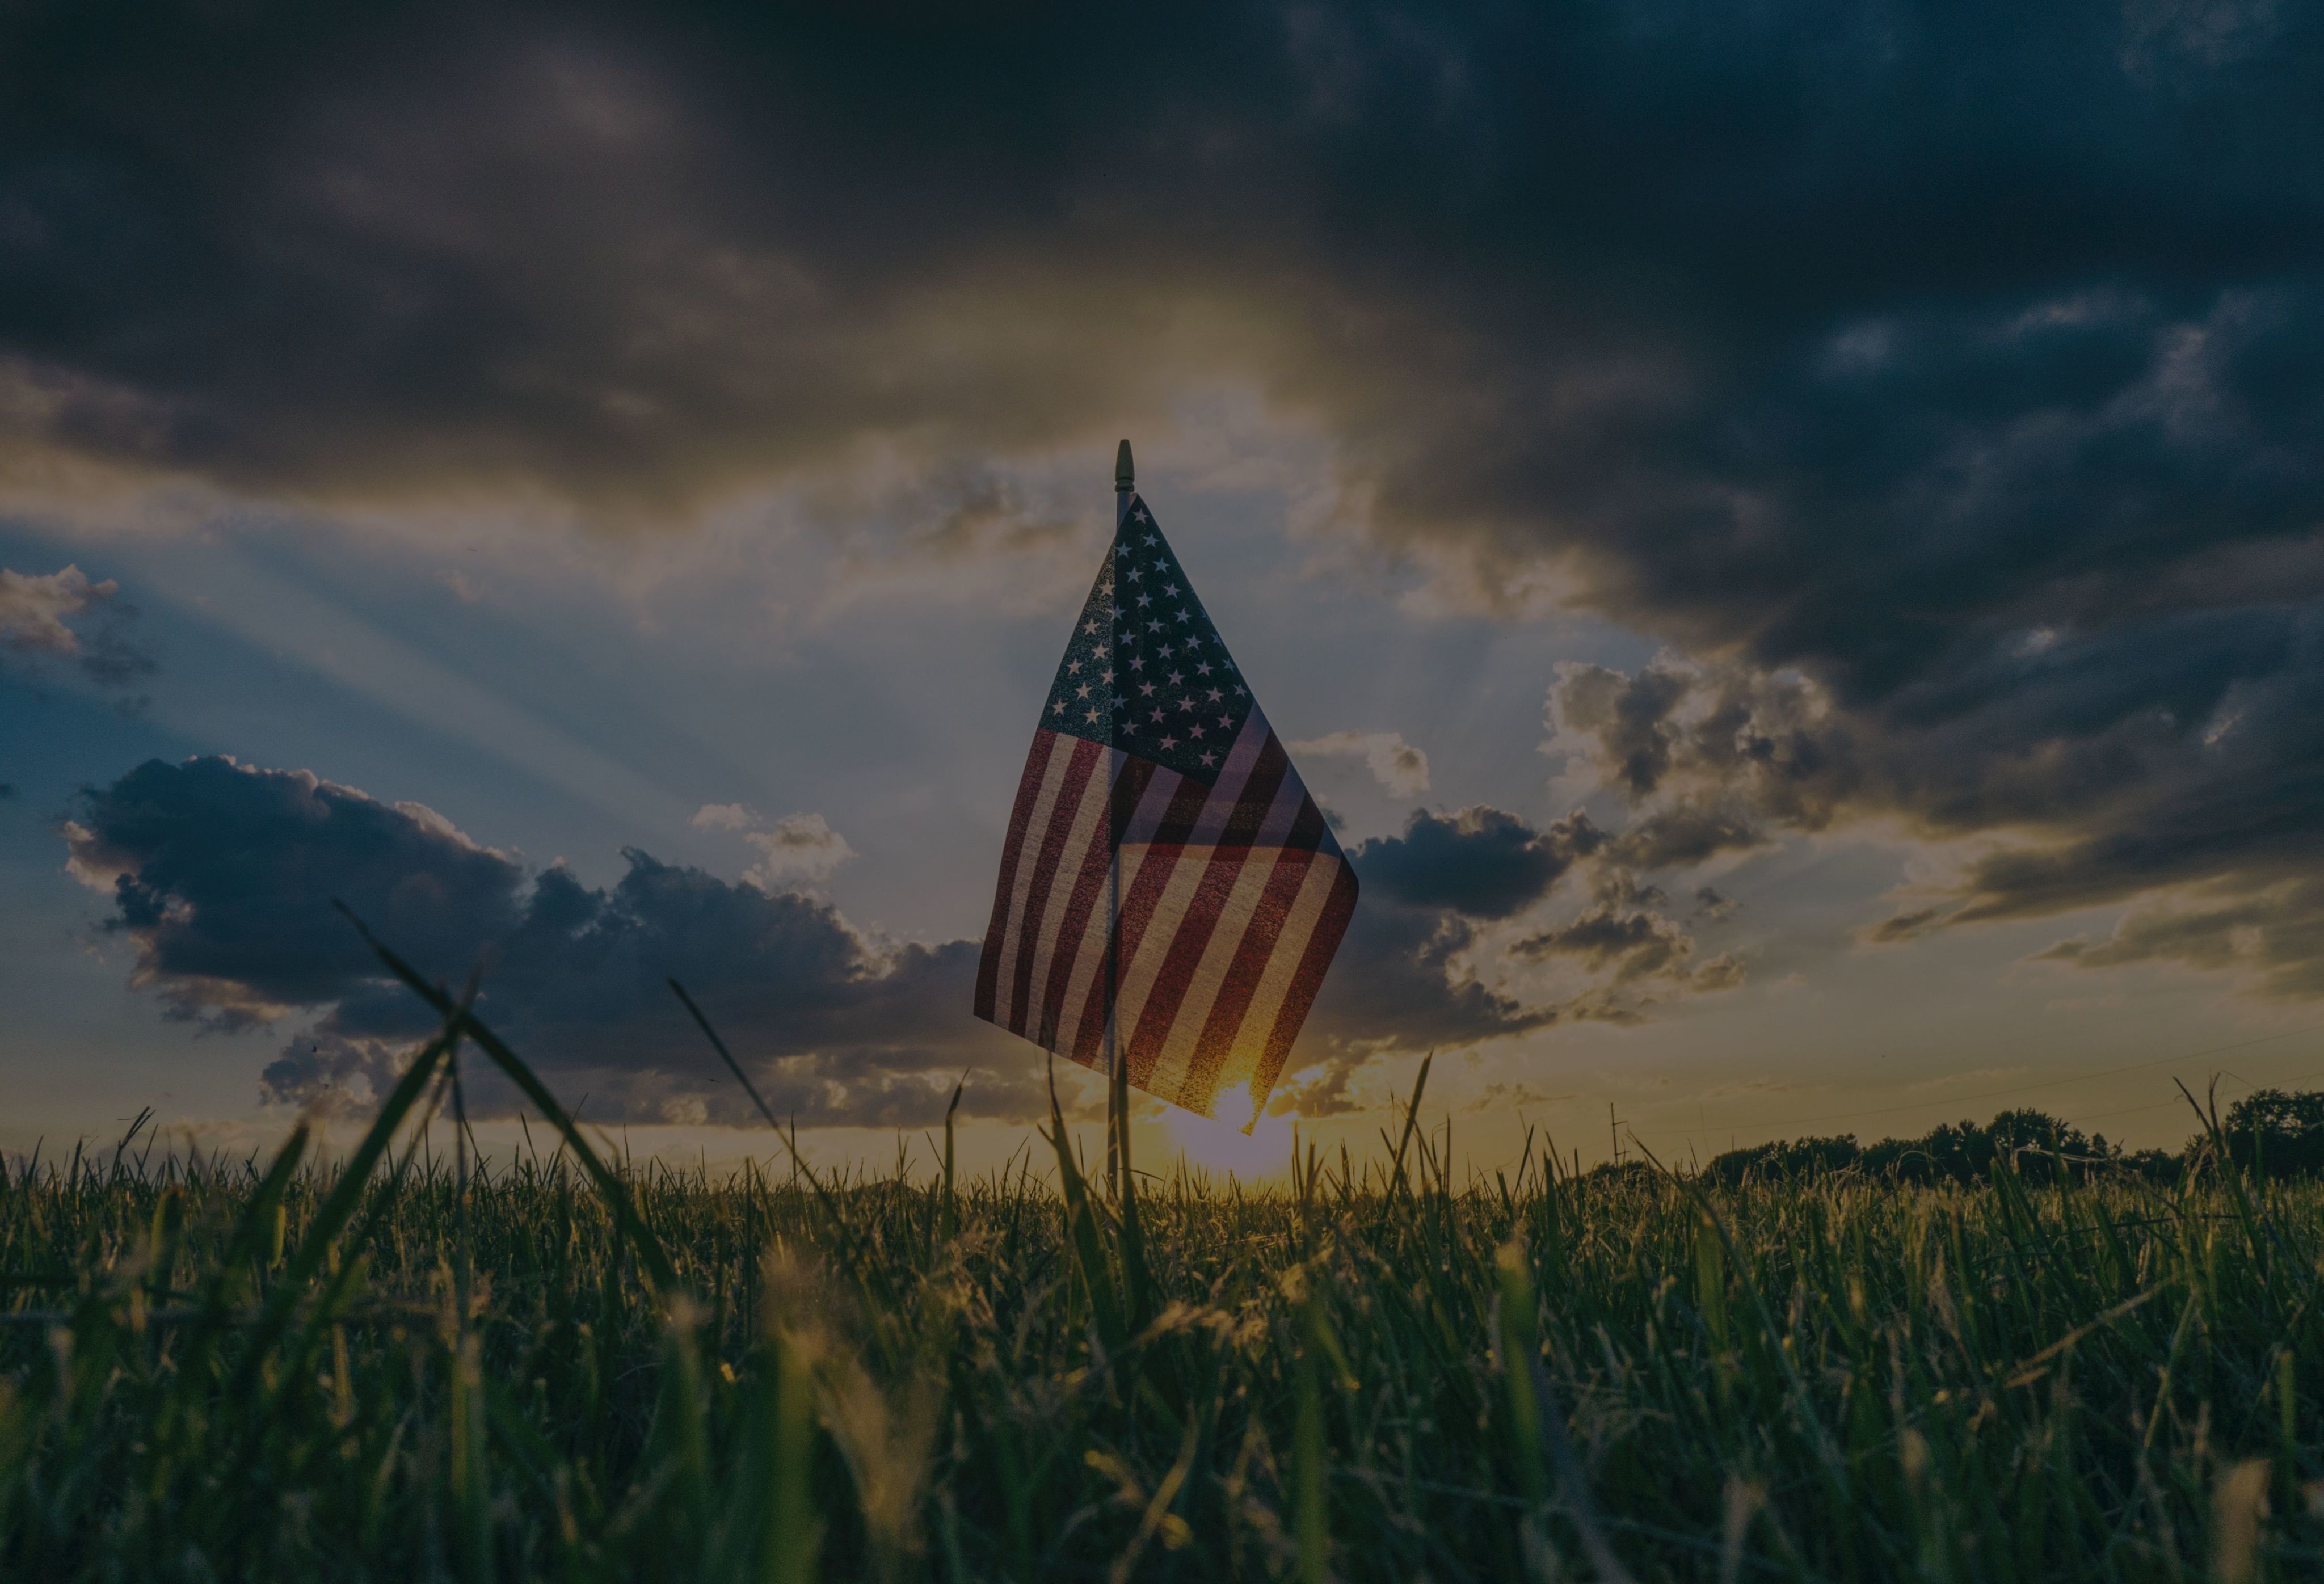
[2278,1133]
[1786,1158]
[2033,1142]
[2157,1165]
[2030,1141]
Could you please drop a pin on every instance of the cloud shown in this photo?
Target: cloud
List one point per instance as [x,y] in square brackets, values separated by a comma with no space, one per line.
[222,876]
[2271,937]
[1626,938]
[723,816]
[798,849]
[1905,927]
[1481,862]
[63,616]
[33,609]
[1970,465]
[1417,967]
[2173,765]
[1394,764]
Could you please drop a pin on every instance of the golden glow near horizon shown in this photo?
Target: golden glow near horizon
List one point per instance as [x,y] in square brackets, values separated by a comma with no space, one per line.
[1220,1146]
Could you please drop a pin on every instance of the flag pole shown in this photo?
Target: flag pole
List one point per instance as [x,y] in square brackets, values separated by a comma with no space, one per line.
[1117,1084]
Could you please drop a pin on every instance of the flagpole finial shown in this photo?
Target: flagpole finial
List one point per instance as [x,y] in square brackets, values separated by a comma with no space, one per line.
[1125,476]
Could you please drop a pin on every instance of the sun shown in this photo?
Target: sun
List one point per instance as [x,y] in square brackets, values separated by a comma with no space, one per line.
[1222,1147]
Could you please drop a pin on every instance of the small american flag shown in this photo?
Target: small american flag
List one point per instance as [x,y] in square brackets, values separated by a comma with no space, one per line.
[1229,893]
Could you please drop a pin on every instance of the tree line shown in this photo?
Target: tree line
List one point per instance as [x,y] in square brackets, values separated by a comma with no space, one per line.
[2271,1132]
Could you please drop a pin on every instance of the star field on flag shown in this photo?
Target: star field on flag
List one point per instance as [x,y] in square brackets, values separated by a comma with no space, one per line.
[1232,893]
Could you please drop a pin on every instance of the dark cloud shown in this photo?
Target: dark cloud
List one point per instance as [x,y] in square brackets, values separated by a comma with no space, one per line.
[1407,977]
[1626,937]
[1947,378]
[1684,836]
[1480,862]
[223,876]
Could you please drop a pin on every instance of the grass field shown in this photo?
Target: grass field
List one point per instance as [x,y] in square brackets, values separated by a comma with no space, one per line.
[407,1366]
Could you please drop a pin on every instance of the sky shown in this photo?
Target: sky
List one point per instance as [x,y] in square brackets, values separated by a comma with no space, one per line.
[1788,539]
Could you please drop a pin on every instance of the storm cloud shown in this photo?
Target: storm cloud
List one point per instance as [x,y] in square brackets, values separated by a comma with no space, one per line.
[1418,966]
[1944,383]
[223,876]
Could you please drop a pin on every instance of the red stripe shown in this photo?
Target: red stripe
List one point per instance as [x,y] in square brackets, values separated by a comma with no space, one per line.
[1028,793]
[1137,905]
[1258,800]
[1088,893]
[1329,927]
[1259,944]
[1177,975]
[1045,873]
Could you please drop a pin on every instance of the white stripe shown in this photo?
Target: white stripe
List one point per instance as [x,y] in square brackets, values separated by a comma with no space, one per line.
[1227,937]
[1079,838]
[1137,975]
[1089,960]
[1029,859]
[1275,984]
[1227,792]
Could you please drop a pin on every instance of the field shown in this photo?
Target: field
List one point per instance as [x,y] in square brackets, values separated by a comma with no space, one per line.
[416,1364]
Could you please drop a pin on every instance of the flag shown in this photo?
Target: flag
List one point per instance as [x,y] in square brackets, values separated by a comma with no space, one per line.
[1157,794]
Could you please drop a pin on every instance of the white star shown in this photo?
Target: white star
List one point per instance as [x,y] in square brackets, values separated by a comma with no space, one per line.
[1154,627]
[1141,516]
[1186,703]
[1144,599]
[1136,664]
[1134,576]
[1108,677]
[1089,626]
[1057,708]
[1214,692]
[1239,693]
[1177,677]
[1169,742]
[1165,652]
[1182,612]
[1170,588]
[1147,688]
[1092,714]
[1158,713]
[1083,691]
[1205,669]
[1209,758]
[1194,730]
[1072,668]
[1106,587]
[1226,720]
[1151,542]
[1097,651]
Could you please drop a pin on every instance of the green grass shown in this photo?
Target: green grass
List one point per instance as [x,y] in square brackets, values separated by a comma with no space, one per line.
[572,1368]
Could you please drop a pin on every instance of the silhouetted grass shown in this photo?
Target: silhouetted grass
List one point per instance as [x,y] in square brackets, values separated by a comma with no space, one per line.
[565,1366]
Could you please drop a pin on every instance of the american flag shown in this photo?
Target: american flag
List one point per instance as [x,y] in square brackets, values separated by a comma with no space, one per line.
[1230,893]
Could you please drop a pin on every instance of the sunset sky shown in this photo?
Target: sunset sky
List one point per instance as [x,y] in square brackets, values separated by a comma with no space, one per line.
[1790,540]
